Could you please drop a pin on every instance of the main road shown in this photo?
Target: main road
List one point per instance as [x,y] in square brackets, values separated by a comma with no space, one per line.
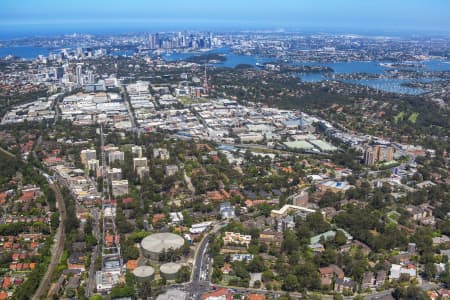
[200,282]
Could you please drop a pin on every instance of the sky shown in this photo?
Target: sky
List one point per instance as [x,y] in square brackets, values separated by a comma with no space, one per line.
[29,17]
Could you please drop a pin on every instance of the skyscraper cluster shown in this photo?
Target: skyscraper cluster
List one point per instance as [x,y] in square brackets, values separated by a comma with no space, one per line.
[180,40]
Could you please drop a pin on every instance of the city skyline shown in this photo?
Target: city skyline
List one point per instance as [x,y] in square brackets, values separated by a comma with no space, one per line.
[27,18]
[204,150]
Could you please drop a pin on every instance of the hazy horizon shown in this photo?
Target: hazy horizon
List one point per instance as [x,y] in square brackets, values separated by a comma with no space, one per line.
[30,18]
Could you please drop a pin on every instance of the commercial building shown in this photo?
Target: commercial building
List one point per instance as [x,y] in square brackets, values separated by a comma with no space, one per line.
[119,187]
[87,155]
[237,238]
[106,280]
[176,217]
[200,227]
[373,154]
[139,162]
[161,153]
[115,155]
[329,235]
[398,270]
[334,186]
[136,151]
[93,165]
[115,174]
[287,209]
[142,172]
[171,170]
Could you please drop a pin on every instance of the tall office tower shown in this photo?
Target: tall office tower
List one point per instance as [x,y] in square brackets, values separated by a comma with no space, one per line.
[205,81]
[369,157]
[79,74]
[151,41]
[157,41]
[79,52]
[91,77]
[59,72]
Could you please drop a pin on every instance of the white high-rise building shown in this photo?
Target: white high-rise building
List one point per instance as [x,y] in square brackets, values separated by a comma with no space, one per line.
[79,74]
[87,155]
[115,155]
[91,77]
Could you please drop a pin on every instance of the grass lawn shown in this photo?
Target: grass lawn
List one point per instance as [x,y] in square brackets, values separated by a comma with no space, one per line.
[226,279]
[185,100]
[413,117]
[393,216]
[399,117]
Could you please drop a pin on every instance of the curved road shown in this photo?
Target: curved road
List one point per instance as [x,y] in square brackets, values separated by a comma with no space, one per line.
[57,251]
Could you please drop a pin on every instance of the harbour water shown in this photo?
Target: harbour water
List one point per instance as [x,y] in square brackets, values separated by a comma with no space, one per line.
[369,67]
[232,60]
[26,52]
[375,68]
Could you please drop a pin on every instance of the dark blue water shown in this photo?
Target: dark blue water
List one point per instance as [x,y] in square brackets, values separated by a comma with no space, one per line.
[24,52]
[372,67]
[437,65]
[390,85]
[232,60]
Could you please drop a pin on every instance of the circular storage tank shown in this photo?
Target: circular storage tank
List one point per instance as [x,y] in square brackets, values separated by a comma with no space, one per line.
[170,270]
[144,273]
[155,244]
[173,295]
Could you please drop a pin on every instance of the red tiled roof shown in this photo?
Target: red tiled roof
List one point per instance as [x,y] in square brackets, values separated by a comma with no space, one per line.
[256,297]
[3,197]
[6,283]
[157,217]
[131,264]
[127,200]
[3,295]
[27,196]
[214,195]
[218,293]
